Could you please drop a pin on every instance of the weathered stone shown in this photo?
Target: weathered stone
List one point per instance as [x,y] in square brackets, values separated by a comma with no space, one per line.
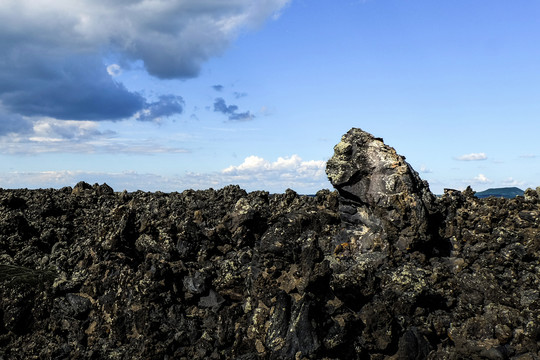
[74,306]
[382,198]
[81,188]
[195,284]
[366,170]
[379,270]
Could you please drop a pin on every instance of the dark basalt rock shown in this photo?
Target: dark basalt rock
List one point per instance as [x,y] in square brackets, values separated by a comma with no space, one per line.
[380,269]
[382,198]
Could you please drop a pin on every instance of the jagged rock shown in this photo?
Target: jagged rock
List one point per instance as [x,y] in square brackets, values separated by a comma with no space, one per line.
[366,170]
[379,270]
[81,188]
[382,198]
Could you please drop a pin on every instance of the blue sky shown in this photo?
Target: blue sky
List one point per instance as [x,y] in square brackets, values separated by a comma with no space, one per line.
[169,95]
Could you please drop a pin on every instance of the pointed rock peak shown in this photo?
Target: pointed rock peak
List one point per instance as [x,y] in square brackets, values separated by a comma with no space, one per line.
[380,191]
[366,170]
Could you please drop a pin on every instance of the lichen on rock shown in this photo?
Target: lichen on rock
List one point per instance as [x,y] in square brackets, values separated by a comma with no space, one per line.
[379,269]
[380,191]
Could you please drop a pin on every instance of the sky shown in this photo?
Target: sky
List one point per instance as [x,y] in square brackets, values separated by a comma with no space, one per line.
[172,95]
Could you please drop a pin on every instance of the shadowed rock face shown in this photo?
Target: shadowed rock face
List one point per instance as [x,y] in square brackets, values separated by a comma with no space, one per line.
[380,270]
[381,191]
[366,170]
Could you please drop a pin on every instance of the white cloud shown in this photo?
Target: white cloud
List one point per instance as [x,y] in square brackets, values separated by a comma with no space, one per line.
[286,172]
[481,179]
[48,135]
[425,170]
[472,157]
[251,163]
[51,130]
[114,70]
[293,164]
[255,173]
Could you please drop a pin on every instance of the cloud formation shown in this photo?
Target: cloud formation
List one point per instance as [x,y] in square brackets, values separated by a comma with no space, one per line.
[13,123]
[48,135]
[481,179]
[293,172]
[472,157]
[50,130]
[255,173]
[166,106]
[73,88]
[173,38]
[231,111]
[51,63]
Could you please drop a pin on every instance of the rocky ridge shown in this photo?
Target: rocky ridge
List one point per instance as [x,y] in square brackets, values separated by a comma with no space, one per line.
[379,269]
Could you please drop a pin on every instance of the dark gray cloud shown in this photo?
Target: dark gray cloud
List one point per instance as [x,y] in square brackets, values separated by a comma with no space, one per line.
[218,87]
[50,61]
[166,106]
[173,38]
[221,106]
[76,88]
[231,111]
[13,123]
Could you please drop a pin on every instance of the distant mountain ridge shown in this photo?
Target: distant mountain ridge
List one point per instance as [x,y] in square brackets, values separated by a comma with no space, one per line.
[505,192]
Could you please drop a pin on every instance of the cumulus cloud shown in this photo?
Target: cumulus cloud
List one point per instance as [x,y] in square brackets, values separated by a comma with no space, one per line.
[293,164]
[52,52]
[481,179]
[231,111]
[255,173]
[472,157]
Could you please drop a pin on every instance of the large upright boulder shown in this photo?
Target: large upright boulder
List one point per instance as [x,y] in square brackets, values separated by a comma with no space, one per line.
[382,198]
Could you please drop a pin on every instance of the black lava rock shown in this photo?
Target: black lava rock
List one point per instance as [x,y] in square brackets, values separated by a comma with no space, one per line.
[379,269]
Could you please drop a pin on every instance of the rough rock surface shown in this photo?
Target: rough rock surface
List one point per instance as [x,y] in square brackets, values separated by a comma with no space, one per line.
[380,269]
[388,207]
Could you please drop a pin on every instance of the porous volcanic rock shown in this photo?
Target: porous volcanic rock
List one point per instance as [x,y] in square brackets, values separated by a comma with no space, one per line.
[383,200]
[380,269]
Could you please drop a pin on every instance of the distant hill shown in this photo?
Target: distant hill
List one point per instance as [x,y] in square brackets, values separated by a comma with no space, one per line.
[507,192]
